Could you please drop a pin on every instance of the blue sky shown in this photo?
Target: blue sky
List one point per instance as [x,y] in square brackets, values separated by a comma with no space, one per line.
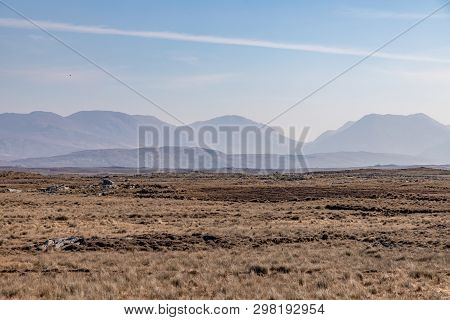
[258,58]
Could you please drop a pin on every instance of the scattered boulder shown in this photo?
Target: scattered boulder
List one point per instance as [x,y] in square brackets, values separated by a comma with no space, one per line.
[106,183]
[67,244]
[55,189]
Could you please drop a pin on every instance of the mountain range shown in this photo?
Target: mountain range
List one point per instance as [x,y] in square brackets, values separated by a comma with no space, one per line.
[41,134]
[409,135]
[199,158]
[104,138]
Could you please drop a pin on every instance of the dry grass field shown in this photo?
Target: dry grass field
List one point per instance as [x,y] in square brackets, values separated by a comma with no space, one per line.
[364,234]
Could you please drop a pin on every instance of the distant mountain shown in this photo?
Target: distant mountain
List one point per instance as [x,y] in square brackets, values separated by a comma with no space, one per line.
[440,153]
[44,135]
[394,134]
[41,134]
[327,134]
[362,159]
[116,127]
[239,135]
[163,157]
[198,158]
[226,121]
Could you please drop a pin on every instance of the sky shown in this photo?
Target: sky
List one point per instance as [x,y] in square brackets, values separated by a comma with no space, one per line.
[203,59]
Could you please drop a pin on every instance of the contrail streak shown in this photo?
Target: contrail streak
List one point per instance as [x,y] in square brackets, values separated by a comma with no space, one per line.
[175,36]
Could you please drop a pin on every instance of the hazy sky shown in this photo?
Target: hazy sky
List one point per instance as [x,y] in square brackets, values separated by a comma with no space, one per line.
[201,59]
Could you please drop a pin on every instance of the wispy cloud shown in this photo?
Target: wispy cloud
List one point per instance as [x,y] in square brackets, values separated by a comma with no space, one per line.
[100,30]
[380,14]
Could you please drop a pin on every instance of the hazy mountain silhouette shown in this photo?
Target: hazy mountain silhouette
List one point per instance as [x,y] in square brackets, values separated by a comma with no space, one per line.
[330,133]
[239,135]
[41,134]
[374,139]
[229,120]
[408,135]
[439,153]
[198,158]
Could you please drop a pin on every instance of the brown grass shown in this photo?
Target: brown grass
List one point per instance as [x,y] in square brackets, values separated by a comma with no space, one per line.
[344,235]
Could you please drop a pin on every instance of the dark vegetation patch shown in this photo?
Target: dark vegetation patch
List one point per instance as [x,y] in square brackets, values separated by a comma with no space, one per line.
[206,241]
[258,270]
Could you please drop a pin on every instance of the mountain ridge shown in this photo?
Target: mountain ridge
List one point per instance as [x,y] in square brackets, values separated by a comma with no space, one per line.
[409,135]
[193,158]
[42,134]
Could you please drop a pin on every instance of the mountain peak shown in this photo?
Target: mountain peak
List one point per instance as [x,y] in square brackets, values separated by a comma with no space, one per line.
[397,116]
[226,120]
[41,113]
[97,113]
[401,134]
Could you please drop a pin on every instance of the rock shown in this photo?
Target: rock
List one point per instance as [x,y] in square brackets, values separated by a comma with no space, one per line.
[106,183]
[69,243]
[14,190]
[55,189]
